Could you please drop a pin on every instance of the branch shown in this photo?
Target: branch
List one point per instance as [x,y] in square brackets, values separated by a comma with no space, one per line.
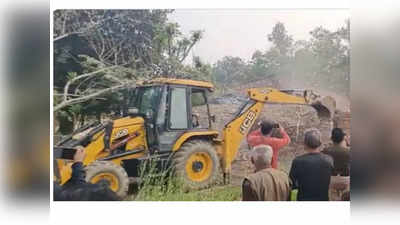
[114,78]
[88,97]
[80,84]
[81,77]
[66,35]
[185,53]
[93,25]
[74,95]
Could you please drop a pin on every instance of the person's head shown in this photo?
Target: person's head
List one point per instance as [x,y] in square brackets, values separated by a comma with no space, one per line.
[266,127]
[261,156]
[312,139]
[338,135]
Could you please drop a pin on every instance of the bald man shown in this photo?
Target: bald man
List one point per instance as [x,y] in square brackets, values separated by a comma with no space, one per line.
[267,183]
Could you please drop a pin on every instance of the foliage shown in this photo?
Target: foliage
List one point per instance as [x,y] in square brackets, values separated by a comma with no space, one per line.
[322,61]
[280,39]
[96,78]
[229,69]
[105,51]
[198,71]
[114,36]
[275,61]
[171,48]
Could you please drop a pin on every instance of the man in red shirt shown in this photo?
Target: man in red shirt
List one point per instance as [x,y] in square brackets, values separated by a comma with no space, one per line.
[262,136]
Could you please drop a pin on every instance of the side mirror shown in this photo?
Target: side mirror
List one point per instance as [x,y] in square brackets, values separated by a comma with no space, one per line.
[212,118]
[132,111]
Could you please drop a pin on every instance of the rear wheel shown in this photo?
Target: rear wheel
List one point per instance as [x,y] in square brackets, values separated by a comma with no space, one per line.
[115,175]
[197,164]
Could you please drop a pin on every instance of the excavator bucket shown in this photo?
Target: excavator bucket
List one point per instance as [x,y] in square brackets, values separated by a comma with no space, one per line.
[325,107]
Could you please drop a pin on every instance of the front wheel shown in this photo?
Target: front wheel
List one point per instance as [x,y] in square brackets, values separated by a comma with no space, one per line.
[197,164]
[108,171]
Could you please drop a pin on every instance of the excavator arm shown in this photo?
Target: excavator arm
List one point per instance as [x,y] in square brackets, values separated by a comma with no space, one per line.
[238,127]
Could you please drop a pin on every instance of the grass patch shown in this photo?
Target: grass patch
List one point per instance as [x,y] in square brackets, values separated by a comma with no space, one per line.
[217,193]
[161,187]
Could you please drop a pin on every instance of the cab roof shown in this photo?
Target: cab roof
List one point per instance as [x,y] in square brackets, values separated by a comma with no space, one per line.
[196,83]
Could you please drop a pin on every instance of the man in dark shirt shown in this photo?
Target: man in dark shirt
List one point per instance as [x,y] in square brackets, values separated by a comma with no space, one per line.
[339,152]
[311,172]
[340,180]
[77,189]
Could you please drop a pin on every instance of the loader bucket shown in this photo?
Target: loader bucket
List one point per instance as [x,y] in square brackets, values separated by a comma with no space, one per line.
[325,107]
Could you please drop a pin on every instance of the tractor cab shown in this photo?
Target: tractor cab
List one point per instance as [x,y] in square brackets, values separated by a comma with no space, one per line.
[171,108]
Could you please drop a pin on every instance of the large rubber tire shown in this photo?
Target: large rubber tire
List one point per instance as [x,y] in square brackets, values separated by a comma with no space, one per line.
[197,165]
[114,174]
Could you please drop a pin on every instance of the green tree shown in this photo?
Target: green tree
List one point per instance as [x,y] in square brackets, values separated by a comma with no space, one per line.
[322,61]
[279,58]
[100,53]
[171,48]
[122,45]
[227,70]
[280,39]
[198,71]
[258,65]
[331,52]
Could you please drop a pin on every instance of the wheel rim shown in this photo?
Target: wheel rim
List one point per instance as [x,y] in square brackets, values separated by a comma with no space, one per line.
[199,166]
[111,178]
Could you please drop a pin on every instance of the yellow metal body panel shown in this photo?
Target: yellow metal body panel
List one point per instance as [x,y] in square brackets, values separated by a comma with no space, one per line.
[272,95]
[64,167]
[95,150]
[196,83]
[188,135]
[129,126]
[126,121]
[233,133]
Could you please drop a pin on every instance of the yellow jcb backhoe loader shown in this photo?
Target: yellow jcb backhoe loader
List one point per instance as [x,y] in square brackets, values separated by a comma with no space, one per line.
[169,120]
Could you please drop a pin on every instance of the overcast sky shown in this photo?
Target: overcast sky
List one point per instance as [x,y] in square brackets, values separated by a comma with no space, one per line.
[241,32]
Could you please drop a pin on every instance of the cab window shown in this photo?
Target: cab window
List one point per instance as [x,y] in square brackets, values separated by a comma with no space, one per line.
[178,109]
[199,109]
[148,99]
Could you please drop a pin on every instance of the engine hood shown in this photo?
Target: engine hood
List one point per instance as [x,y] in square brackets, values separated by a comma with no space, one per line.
[127,121]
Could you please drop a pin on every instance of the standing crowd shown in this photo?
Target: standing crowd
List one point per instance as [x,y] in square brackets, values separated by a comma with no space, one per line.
[317,175]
